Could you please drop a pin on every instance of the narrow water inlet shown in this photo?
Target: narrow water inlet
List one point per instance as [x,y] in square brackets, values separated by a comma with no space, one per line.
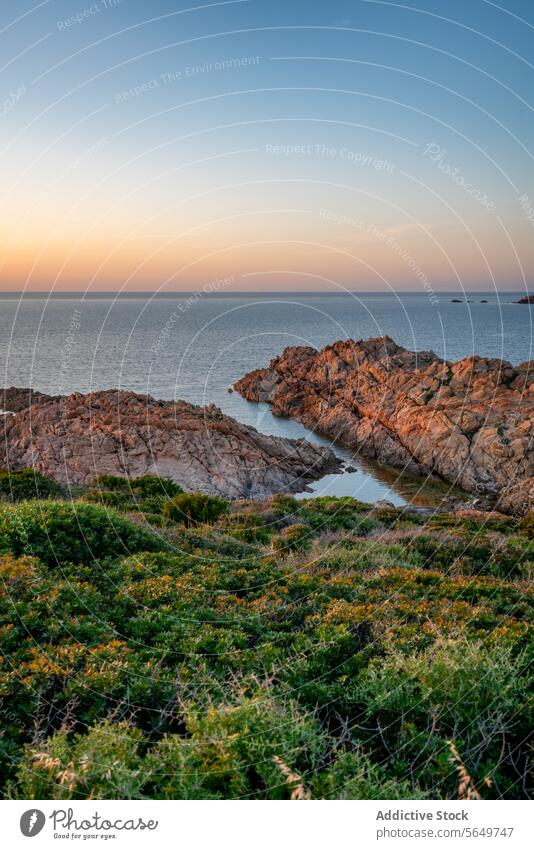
[372,481]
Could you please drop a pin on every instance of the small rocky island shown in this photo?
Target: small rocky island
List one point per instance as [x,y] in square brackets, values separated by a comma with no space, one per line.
[468,422]
[527,299]
[75,438]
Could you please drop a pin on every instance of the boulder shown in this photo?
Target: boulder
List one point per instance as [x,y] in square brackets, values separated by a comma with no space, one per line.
[75,438]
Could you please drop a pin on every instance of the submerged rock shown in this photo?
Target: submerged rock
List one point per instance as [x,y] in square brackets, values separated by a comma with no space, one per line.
[75,438]
[469,422]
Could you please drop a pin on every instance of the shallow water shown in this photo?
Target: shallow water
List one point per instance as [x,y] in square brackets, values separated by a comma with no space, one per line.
[176,347]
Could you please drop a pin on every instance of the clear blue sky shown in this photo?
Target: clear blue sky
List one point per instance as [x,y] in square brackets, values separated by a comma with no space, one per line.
[288,144]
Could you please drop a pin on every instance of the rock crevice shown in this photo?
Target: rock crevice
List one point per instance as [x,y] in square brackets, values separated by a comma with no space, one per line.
[469,422]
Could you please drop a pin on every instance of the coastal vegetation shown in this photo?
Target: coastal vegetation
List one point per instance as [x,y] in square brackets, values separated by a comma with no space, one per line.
[156,644]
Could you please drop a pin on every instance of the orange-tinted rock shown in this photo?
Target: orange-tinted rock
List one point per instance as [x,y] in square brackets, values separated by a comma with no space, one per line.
[73,439]
[469,422]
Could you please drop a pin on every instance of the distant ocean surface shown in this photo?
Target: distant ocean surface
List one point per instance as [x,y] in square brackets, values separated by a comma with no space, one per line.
[194,348]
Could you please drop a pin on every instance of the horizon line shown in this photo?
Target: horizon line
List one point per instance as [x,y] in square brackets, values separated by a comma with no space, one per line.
[200,294]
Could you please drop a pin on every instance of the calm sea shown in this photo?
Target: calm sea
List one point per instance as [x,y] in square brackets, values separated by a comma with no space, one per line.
[195,347]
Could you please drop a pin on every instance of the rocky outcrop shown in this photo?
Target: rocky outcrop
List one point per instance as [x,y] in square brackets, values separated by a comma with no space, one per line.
[469,422]
[528,299]
[73,439]
[14,399]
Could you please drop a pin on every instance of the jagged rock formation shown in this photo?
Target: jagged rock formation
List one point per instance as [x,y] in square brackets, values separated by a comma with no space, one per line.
[73,439]
[469,422]
[15,398]
[527,299]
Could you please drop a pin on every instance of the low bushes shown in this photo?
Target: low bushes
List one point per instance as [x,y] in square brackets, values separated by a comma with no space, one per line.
[327,514]
[147,494]
[526,526]
[105,763]
[252,749]
[476,553]
[336,514]
[149,486]
[71,532]
[473,694]
[294,538]
[27,483]
[235,751]
[247,527]
[205,666]
[363,555]
[194,508]
[110,498]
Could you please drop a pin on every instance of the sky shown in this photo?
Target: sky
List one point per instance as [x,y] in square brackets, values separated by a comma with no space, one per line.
[261,145]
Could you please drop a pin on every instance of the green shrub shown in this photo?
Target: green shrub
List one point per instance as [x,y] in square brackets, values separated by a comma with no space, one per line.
[142,487]
[294,538]
[325,514]
[64,532]
[396,517]
[362,556]
[473,554]
[256,748]
[194,508]
[247,527]
[211,541]
[113,483]
[151,506]
[336,514]
[230,752]
[110,498]
[353,775]
[27,483]
[479,523]
[284,505]
[526,526]
[471,693]
[105,763]
[152,485]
